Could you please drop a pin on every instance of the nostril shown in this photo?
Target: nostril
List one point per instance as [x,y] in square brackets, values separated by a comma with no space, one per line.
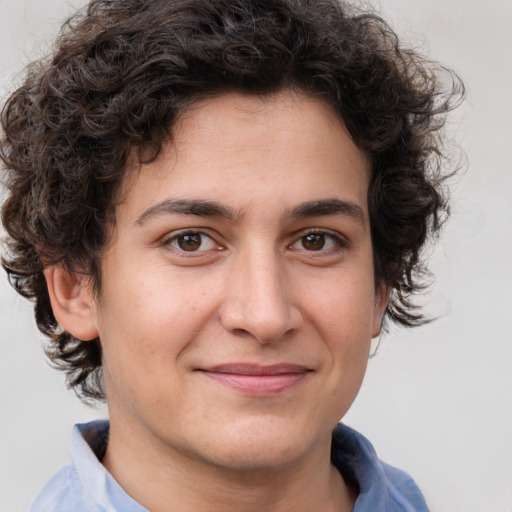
[258,302]
[265,326]
[241,332]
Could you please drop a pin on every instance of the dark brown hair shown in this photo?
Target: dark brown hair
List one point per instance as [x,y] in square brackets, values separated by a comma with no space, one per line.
[123,71]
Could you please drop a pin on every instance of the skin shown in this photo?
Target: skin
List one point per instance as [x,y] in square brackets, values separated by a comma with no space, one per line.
[247,243]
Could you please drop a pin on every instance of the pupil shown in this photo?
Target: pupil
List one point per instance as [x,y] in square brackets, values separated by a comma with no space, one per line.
[313,242]
[190,242]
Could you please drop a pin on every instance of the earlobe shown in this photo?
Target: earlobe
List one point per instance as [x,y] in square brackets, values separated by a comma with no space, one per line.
[382,296]
[72,302]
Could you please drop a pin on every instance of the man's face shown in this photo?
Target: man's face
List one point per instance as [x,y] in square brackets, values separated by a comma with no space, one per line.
[238,302]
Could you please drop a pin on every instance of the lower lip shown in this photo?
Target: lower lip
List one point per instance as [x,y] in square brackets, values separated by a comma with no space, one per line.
[258,384]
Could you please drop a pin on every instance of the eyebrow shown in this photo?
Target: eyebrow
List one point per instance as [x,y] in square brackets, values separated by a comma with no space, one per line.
[200,207]
[323,207]
[205,208]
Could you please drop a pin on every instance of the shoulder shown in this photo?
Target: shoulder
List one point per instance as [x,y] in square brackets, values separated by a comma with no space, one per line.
[62,493]
[85,485]
[67,489]
[404,494]
[381,487]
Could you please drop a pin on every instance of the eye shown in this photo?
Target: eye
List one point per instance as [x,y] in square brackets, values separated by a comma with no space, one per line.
[313,242]
[192,241]
[319,242]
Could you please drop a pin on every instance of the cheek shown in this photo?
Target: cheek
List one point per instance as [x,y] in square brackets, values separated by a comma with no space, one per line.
[344,322]
[152,317]
[343,315]
[345,305]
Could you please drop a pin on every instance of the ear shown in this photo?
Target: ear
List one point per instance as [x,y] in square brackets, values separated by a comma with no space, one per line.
[382,294]
[73,302]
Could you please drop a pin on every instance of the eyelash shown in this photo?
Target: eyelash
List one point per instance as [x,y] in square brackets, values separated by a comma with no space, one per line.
[339,243]
[170,242]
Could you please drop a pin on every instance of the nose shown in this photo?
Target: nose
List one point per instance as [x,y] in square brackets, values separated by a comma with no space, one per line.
[258,300]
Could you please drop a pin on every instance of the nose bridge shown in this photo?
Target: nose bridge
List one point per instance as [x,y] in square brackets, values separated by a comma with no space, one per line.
[266,284]
[260,300]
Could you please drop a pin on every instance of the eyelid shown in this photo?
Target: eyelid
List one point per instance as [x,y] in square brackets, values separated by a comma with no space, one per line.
[341,241]
[169,238]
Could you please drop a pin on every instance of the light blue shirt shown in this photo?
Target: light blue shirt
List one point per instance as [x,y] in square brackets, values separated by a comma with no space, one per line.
[86,486]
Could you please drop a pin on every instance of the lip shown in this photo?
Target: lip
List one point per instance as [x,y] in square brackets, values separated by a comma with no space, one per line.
[257,380]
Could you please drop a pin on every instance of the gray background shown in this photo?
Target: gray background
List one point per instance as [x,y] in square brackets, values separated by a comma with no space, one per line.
[436,401]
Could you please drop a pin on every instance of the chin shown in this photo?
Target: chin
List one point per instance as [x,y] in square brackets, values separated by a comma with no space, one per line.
[256,458]
[261,447]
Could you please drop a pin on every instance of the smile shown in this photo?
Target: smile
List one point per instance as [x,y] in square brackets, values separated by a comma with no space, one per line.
[258,380]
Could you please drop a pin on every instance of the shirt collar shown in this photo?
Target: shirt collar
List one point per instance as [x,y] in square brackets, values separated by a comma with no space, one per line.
[379,486]
[88,444]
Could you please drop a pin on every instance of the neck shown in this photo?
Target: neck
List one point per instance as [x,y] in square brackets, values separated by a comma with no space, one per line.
[156,477]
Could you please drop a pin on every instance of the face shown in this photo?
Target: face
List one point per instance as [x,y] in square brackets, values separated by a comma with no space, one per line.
[238,300]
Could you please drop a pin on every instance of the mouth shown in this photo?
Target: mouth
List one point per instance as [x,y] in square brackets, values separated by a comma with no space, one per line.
[256,379]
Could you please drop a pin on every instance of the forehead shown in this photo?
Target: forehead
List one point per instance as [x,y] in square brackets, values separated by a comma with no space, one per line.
[241,148]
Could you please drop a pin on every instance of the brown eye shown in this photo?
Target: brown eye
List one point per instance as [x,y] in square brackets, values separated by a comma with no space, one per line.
[313,242]
[189,242]
[322,242]
[187,245]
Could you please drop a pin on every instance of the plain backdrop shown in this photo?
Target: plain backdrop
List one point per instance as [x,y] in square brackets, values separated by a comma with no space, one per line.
[437,401]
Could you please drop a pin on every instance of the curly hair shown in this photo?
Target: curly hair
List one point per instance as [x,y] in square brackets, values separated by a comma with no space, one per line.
[123,71]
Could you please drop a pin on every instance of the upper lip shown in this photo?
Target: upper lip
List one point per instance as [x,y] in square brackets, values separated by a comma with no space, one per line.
[256,369]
